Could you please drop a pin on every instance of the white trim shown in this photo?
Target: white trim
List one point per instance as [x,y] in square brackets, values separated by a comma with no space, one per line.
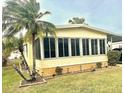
[56,48]
[72,57]
[69,46]
[106,46]
[80,46]
[98,47]
[90,53]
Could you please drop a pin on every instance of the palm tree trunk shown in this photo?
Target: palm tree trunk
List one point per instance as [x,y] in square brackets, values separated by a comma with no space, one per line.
[33,52]
[27,67]
[19,72]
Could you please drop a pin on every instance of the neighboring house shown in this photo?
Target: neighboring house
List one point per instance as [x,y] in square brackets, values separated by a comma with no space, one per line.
[114,42]
[114,45]
[76,47]
[117,45]
[14,55]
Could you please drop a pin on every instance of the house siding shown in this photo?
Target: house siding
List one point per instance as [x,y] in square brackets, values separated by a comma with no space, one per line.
[48,65]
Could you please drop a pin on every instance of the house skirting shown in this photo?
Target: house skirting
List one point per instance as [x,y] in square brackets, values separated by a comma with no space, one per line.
[71,68]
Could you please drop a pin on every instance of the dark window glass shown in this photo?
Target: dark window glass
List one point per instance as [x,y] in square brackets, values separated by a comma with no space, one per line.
[66,52]
[63,47]
[102,46]
[37,49]
[60,42]
[100,42]
[46,48]
[85,46]
[94,46]
[75,50]
[52,47]
[77,47]
[73,47]
[49,47]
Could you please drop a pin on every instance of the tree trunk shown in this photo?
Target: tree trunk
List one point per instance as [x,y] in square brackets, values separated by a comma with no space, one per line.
[27,67]
[19,72]
[33,54]
[21,51]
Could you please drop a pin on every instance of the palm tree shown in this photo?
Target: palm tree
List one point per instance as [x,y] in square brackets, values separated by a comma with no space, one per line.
[7,48]
[77,20]
[20,14]
[10,44]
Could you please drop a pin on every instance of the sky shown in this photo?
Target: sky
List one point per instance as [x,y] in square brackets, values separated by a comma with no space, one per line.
[106,14]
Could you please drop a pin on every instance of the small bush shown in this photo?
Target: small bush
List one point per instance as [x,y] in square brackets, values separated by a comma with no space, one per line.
[113,57]
[58,70]
[4,62]
[54,75]
[93,69]
[98,65]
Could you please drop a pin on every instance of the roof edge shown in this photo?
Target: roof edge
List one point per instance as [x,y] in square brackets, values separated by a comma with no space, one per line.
[87,26]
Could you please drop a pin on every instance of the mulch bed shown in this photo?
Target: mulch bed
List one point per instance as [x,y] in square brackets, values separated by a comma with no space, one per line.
[38,80]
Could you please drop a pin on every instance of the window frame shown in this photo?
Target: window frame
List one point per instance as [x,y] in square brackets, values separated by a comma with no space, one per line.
[94,51]
[63,47]
[75,46]
[102,47]
[87,50]
[80,46]
[49,47]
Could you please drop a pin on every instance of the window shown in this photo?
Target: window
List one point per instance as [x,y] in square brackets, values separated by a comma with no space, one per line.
[63,47]
[49,47]
[85,46]
[37,49]
[75,47]
[94,46]
[102,46]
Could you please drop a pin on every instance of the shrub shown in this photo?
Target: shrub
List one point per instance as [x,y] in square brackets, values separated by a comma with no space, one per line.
[58,70]
[54,75]
[4,62]
[113,57]
[93,69]
[99,65]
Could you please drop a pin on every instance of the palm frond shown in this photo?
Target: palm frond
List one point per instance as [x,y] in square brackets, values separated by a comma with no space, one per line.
[42,14]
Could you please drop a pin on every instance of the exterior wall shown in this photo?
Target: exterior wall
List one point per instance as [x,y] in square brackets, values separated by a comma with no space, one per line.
[46,65]
[70,69]
[66,61]
[28,55]
[79,33]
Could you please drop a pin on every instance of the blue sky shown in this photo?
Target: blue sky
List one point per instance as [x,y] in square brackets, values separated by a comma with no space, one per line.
[105,14]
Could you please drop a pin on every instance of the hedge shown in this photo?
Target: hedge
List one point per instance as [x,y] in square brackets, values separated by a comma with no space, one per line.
[113,57]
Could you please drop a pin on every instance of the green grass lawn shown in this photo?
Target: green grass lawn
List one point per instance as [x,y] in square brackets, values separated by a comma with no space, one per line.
[107,80]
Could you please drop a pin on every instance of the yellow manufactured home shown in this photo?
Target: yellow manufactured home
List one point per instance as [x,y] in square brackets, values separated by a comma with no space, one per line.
[76,47]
